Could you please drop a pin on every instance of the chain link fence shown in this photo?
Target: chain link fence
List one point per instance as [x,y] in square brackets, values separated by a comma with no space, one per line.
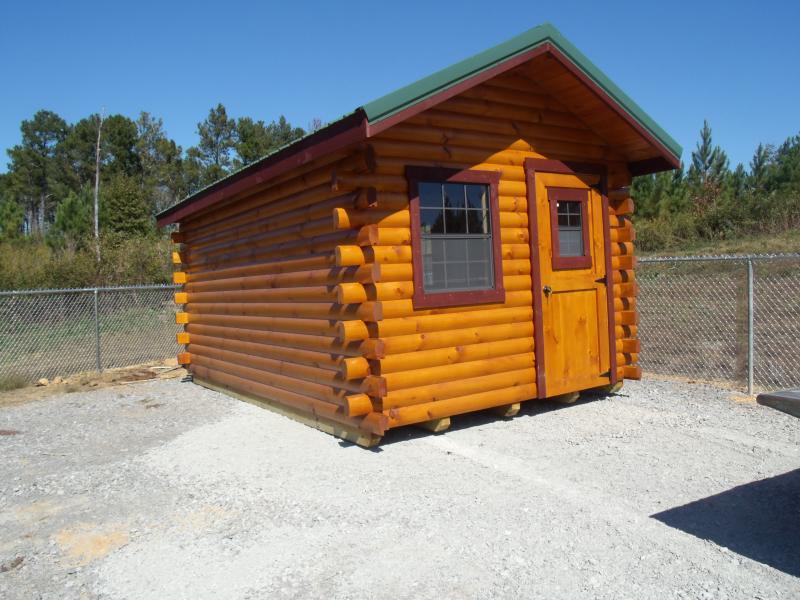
[45,333]
[729,319]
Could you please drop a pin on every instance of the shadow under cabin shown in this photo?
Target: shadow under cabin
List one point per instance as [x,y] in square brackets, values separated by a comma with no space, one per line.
[463,243]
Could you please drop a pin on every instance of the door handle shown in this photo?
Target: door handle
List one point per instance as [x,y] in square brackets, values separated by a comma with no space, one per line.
[547,290]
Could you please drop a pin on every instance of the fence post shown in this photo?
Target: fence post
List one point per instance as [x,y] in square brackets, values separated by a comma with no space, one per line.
[750,332]
[97,332]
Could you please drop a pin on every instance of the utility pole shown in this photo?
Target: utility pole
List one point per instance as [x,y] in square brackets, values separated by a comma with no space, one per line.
[97,188]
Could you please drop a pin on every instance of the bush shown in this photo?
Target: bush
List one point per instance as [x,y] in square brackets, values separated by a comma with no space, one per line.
[31,263]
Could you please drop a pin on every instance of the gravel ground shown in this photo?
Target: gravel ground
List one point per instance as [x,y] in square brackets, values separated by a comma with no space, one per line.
[166,490]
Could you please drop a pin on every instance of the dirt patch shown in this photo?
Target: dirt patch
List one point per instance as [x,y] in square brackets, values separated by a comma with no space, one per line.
[82,382]
[86,543]
[9,432]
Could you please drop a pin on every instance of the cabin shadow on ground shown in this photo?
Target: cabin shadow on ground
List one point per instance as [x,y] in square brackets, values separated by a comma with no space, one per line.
[759,520]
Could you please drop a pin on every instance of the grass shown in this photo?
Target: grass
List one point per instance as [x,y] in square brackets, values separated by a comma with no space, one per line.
[771,243]
[12,382]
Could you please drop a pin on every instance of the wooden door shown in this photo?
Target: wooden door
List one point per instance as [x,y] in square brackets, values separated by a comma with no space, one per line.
[570,295]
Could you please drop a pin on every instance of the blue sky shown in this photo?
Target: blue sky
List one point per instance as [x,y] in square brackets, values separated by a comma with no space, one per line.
[734,63]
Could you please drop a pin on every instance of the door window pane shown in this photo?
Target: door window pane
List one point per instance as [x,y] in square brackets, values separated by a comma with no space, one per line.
[570,228]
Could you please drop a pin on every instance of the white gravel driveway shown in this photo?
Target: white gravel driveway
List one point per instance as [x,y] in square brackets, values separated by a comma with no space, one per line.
[166,490]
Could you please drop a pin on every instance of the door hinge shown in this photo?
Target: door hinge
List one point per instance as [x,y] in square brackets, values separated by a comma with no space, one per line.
[606,373]
[603,280]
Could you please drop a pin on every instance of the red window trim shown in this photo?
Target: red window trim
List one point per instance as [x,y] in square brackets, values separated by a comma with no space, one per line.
[423,299]
[554,195]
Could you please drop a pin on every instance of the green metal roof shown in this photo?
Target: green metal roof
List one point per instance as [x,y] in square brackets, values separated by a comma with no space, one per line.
[409,95]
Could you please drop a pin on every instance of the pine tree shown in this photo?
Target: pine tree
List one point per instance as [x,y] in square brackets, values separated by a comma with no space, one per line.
[74,218]
[12,218]
[37,166]
[123,208]
[217,141]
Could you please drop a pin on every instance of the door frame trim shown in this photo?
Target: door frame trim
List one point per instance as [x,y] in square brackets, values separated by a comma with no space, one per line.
[544,165]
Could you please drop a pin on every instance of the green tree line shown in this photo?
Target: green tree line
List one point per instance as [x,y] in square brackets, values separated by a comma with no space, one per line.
[47,194]
[709,202]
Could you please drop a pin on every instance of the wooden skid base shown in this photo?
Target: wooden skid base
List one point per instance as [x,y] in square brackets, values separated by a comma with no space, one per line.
[350,434]
[436,425]
[570,398]
[507,410]
[609,389]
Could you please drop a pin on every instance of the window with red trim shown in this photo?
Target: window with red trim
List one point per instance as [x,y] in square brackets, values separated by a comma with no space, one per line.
[569,228]
[455,236]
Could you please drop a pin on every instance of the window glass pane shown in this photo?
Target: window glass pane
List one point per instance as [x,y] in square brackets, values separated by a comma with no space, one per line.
[570,241]
[456,275]
[431,220]
[478,221]
[454,195]
[478,274]
[455,221]
[456,240]
[456,250]
[477,196]
[430,194]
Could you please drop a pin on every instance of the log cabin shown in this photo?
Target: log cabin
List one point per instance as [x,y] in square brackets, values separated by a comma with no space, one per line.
[463,243]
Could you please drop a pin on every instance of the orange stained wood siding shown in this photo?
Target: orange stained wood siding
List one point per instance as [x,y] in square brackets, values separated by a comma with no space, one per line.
[290,283]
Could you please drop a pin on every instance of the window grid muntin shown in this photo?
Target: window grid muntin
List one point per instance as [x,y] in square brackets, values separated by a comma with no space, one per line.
[456,199]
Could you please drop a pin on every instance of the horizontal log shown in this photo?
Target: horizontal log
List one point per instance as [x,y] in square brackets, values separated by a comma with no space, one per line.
[320,360]
[626,331]
[357,405]
[405,271]
[249,225]
[354,368]
[298,310]
[264,297]
[349,256]
[292,265]
[404,363]
[457,371]
[632,372]
[626,317]
[628,345]
[621,248]
[417,324]
[301,341]
[623,276]
[302,403]
[349,293]
[299,279]
[349,331]
[452,338]
[462,404]
[626,290]
[372,235]
[388,254]
[314,382]
[622,234]
[624,304]
[624,262]
[321,327]
[349,219]
[622,207]
[367,198]
[392,309]
[461,387]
